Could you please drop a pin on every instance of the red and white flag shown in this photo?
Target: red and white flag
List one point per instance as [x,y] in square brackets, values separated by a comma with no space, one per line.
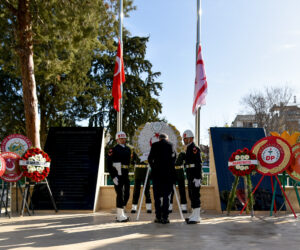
[200,90]
[119,78]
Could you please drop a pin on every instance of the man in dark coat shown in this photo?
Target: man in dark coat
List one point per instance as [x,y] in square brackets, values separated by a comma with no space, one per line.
[193,170]
[162,162]
[118,164]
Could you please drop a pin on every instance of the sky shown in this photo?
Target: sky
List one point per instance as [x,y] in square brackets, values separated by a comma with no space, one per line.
[246,45]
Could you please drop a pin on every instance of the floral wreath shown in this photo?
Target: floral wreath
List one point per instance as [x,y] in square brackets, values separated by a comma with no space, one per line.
[35,164]
[148,133]
[242,162]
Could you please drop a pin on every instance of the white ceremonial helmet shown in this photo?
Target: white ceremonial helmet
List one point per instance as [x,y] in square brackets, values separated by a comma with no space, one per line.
[120,135]
[187,134]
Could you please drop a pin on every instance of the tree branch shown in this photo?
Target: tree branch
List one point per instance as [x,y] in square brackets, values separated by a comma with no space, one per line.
[9,6]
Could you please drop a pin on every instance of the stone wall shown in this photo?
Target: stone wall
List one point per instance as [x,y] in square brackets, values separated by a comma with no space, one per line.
[107,198]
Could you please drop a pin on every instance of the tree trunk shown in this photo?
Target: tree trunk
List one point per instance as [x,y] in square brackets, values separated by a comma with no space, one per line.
[25,51]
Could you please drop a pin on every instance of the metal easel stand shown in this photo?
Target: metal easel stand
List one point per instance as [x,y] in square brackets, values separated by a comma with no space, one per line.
[25,196]
[19,187]
[282,190]
[144,188]
[296,191]
[50,193]
[178,203]
[143,193]
[4,202]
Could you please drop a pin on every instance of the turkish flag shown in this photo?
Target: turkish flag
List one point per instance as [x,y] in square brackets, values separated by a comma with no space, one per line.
[200,90]
[119,78]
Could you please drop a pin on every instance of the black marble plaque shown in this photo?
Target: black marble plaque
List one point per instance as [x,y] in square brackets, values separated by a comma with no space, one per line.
[75,155]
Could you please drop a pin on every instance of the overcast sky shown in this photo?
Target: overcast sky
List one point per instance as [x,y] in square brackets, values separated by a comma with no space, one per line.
[246,45]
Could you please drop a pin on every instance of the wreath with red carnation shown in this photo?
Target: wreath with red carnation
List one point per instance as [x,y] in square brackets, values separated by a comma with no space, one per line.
[35,164]
[242,162]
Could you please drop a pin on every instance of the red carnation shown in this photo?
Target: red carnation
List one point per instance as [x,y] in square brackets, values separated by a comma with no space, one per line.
[246,150]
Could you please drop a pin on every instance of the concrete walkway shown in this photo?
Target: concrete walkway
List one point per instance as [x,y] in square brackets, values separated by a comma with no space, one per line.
[99,231]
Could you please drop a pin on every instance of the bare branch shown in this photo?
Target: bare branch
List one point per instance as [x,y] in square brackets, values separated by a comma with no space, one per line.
[270,108]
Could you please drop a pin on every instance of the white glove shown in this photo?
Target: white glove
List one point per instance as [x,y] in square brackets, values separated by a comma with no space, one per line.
[197,182]
[116,181]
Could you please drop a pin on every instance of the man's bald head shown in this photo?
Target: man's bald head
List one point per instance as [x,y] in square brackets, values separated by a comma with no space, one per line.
[163,136]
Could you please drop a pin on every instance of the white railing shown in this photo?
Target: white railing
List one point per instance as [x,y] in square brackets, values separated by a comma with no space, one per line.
[289,181]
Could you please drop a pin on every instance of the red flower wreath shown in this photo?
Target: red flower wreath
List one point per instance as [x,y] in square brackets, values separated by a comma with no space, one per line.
[242,162]
[35,164]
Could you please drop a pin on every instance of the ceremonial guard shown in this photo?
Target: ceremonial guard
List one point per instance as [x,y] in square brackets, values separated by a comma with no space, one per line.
[180,180]
[194,175]
[118,164]
[140,171]
[162,161]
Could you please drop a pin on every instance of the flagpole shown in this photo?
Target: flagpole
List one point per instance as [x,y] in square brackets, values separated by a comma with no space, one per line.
[119,114]
[197,117]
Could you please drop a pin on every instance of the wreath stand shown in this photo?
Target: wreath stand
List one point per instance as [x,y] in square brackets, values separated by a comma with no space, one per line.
[6,188]
[18,186]
[27,195]
[247,188]
[273,199]
[144,188]
[143,193]
[4,202]
[273,206]
[241,164]
[274,156]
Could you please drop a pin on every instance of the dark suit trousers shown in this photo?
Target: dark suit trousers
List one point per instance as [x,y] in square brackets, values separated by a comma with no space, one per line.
[162,190]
